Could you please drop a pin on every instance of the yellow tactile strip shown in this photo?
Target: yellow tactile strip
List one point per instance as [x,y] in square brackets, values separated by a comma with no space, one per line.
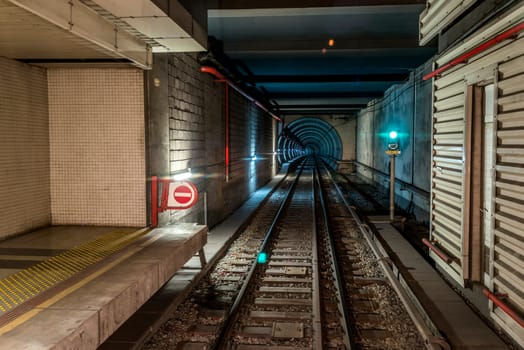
[27,284]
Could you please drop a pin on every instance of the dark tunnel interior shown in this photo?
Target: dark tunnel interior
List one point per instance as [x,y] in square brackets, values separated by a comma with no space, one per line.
[310,136]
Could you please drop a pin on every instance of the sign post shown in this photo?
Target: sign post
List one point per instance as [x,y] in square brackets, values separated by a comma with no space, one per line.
[392,155]
[393,151]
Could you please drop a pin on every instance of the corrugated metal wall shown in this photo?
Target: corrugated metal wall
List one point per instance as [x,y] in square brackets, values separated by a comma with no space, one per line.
[508,244]
[449,152]
[503,208]
[24,148]
[438,15]
[448,166]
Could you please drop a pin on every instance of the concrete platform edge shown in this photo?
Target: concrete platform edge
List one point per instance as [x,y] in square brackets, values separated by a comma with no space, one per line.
[225,232]
[435,302]
[87,315]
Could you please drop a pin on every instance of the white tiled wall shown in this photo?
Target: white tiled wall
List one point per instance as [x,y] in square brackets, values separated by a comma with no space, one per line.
[24,148]
[96,123]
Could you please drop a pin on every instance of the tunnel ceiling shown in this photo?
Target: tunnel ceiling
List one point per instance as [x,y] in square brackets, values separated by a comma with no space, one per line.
[283,49]
[280,47]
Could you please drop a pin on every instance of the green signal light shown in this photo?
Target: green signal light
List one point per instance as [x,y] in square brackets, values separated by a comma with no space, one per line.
[262,258]
[393,135]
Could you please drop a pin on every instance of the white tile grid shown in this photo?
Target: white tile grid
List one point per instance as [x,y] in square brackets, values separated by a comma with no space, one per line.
[97,147]
[24,148]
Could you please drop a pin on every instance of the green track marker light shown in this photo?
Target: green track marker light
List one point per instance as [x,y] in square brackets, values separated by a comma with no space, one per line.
[393,141]
[262,258]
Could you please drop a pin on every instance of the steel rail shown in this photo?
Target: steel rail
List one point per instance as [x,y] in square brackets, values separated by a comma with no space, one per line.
[232,315]
[173,304]
[316,297]
[431,340]
[341,289]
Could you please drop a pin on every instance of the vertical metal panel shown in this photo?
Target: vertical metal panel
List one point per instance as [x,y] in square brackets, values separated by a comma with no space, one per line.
[490,140]
[507,257]
[438,15]
[448,170]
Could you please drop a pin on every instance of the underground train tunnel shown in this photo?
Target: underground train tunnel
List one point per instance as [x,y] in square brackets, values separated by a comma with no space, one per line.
[157,155]
[310,136]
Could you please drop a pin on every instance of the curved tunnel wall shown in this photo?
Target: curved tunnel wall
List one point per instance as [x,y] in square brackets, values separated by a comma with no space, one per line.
[310,136]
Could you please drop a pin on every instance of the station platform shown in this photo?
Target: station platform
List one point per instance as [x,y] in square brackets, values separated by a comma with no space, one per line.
[461,327]
[72,287]
[114,303]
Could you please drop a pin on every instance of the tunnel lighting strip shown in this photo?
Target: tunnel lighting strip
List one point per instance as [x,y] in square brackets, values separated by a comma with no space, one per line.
[475,51]
[222,78]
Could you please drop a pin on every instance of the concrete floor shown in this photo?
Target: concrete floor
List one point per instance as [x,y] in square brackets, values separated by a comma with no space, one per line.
[23,251]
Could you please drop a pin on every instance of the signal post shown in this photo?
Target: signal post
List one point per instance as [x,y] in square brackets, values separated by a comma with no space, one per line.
[393,150]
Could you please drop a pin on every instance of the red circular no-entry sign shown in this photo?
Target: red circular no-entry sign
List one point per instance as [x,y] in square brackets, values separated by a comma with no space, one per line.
[182,195]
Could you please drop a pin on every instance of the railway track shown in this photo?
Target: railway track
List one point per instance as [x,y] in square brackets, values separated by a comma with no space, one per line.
[378,317]
[280,306]
[321,287]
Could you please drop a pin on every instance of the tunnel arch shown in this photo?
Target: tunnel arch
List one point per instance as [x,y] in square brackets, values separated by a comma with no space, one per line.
[308,135]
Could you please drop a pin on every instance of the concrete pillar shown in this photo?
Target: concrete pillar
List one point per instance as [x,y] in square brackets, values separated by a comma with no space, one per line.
[158,121]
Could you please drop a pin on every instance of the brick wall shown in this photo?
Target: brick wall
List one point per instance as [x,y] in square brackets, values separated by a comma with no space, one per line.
[197,140]
[187,128]
[251,135]
[186,118]
[97,146]
[24,148]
